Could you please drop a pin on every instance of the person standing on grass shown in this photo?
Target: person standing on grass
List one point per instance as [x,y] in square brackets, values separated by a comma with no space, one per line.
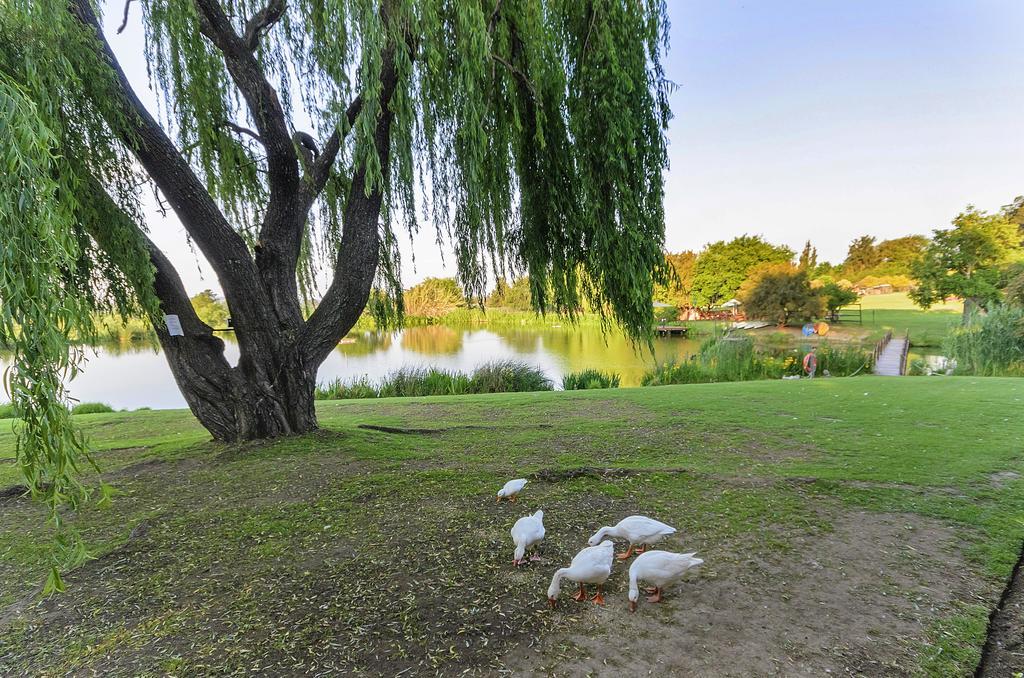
[811,363]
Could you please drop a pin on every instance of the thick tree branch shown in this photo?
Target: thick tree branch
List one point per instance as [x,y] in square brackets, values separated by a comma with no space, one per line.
[264,19]
[280,239]
[219,243]
[260,97]
[217,240]
[359,251]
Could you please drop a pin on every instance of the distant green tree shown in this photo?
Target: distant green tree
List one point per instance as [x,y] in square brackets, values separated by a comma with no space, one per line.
[809,257]
[835,296]
[861,255]
[678,290]
[515,297]
[723,266]
[899,254]
[211,309]
[967,260]
[780,293]
[1014,291]
[1014,213]
[433,298]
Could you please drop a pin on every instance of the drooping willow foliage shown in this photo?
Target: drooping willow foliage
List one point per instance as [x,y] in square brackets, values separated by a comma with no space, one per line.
[529,134]
[53,277]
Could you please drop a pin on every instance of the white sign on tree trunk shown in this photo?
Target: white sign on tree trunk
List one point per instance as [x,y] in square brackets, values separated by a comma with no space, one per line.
[173,326]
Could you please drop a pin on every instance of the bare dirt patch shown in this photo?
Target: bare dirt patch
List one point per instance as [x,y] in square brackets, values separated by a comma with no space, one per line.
[855,601]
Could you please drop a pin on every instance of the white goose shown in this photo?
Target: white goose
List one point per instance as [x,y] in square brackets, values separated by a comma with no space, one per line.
[527,533]
[660,568]
[592,565]
[511,489]
[641,532]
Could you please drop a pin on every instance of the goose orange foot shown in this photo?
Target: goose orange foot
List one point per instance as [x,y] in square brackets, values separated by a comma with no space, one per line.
[656,598]
[599,596]
[580,595]
[627,554]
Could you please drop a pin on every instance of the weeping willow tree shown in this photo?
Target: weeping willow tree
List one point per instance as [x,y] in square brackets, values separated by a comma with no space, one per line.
[296,141]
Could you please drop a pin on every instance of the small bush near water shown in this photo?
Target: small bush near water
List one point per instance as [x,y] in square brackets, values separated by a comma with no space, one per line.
[587,379]
[990,345]
[497,377]
[736,359]
[7,411]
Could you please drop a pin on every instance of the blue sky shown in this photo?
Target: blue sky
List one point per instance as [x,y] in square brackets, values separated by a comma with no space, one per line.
[796,120]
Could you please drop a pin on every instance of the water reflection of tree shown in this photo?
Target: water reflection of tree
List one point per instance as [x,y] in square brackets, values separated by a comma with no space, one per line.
[432,340]
[364,343]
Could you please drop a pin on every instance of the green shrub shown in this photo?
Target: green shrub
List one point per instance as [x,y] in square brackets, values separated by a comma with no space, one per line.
[91,408]
[508,376]
[991,344]
[667,314]
[7,411]
[588,379]
[677,372]
[843,360]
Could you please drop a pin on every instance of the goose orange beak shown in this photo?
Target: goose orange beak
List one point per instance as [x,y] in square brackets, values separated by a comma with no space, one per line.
[632,606]
[552,603]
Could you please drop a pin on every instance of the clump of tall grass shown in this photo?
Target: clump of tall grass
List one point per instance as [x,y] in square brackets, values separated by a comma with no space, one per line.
[421,381]
[336,389]
[7,411]
[495,377]
[508,376]
[91,408]
[588,379]
[989,345]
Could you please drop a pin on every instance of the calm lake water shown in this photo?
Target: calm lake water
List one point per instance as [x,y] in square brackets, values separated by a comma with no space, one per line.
[139,376]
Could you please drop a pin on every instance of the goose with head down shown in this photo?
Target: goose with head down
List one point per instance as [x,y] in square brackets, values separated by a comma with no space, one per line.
[527,533]
[660,568]
[640,531]
[511,489]
[592,565]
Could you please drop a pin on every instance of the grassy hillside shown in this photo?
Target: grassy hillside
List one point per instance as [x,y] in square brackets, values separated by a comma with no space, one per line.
[898,313]
[864,525]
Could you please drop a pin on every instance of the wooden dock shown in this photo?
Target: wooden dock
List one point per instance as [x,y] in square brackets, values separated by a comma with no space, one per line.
[672,331]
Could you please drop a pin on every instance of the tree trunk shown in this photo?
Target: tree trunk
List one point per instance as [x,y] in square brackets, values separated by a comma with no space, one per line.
[261,397]
[971,304]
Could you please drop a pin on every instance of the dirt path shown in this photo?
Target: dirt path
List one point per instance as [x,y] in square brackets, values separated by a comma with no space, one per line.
[856,601]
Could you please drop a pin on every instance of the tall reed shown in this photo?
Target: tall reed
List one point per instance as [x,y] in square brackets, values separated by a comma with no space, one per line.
[989,345]
[494,377]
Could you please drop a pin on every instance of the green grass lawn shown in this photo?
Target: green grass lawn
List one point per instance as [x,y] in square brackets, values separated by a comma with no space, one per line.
[898,313]
[864,525]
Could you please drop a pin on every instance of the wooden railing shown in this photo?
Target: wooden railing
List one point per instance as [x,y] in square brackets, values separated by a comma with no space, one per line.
[905,353]
[879,347]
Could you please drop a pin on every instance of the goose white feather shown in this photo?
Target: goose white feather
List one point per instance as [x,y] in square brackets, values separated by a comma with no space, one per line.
[638,530]
[659,568]
[526,534]
[511,489]
[592,565]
